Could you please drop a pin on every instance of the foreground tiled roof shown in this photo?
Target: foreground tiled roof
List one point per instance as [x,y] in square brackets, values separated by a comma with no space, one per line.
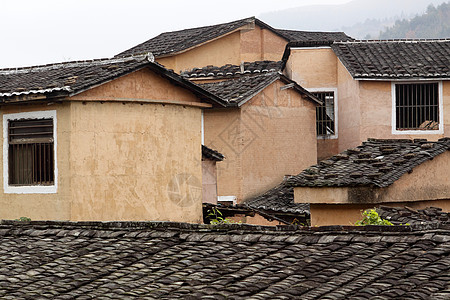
[168,43]
[401,59]
[229,70]
[279,199]
[145,260]
[239,90]
[374,163]
[411,216]
[211,154]
[70,78]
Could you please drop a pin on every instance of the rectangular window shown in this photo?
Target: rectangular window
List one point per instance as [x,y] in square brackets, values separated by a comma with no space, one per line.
[325,118]
[417,106]
[29,152]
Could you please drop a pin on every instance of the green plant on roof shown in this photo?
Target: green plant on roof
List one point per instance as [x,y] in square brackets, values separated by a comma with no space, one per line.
[23,219]
[371,217]
[215,217]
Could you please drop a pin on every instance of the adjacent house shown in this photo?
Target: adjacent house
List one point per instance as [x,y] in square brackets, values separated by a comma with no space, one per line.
[167,260]
[111,139]
[245,40]
[414,173]
[268,118]
[374,89]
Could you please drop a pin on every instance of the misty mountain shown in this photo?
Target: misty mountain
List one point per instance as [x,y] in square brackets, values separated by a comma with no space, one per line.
[357,18]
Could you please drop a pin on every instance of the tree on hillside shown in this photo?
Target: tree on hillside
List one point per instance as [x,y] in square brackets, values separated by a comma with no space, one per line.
[434,23]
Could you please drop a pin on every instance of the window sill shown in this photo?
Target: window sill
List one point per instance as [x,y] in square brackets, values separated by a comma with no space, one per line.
[30,189]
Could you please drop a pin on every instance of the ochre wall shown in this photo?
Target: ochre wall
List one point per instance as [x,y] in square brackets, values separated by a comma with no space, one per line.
[42,206]
[245,45]
[209,181]
[127,159]
[268,137]
[261,44]
[279,138]
[225,50]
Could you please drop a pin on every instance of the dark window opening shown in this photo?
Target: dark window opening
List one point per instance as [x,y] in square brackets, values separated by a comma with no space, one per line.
[31,154]
[325,114]
[417,106]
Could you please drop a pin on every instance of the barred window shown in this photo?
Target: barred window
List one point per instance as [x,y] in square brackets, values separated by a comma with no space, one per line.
[31,154]
[325,114]
[417,106]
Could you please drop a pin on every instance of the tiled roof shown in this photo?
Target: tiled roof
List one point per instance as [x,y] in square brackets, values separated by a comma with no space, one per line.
[168,43]
[256,67]
[296,35]
[172,42]
[211,154]
[145,260]
[239,90]
[278,199]
[70,78]
[412,216]
[374,163]
[397,59]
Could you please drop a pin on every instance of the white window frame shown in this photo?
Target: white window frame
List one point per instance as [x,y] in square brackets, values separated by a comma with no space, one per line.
[336,116]
[394,114]
[29,189]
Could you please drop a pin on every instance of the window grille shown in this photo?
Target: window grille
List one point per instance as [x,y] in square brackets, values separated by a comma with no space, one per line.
[325,114]
[417,106]
[31,157]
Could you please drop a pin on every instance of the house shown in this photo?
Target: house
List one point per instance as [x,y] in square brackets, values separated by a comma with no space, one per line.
[378,172]
[374,89]
[267,119]
[244,40]
[109,139]
[167,260]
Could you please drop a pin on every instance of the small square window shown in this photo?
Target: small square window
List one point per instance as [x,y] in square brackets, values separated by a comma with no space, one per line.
[31,157]
[29,147]
[325,118]
[417,106]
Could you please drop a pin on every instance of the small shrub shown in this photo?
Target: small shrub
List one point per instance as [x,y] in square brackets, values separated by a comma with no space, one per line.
[23,219]
[371,217]
[215,217]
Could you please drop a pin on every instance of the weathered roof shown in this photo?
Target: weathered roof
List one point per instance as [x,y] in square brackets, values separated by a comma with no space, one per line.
[70,78]
[145,260]
[169,43]
[297,35]
[398,215]
[211,154]
[395,59]
[239,90]
[278,199]
[229,70]
[374,163]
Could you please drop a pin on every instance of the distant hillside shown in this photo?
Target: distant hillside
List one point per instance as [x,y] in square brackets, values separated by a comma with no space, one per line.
[357,18]
[435,23]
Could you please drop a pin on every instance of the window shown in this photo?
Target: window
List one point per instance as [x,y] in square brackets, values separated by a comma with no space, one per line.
[29,142]
[325,114]
[417,106]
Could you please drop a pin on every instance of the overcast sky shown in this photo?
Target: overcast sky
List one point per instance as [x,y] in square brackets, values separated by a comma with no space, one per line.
[34,32]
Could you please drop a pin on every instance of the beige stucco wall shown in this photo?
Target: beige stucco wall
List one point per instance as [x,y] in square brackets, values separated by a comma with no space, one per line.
[269,137]
[42,206]
[251,43]
[219,52]
[136,161]
[209,181]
